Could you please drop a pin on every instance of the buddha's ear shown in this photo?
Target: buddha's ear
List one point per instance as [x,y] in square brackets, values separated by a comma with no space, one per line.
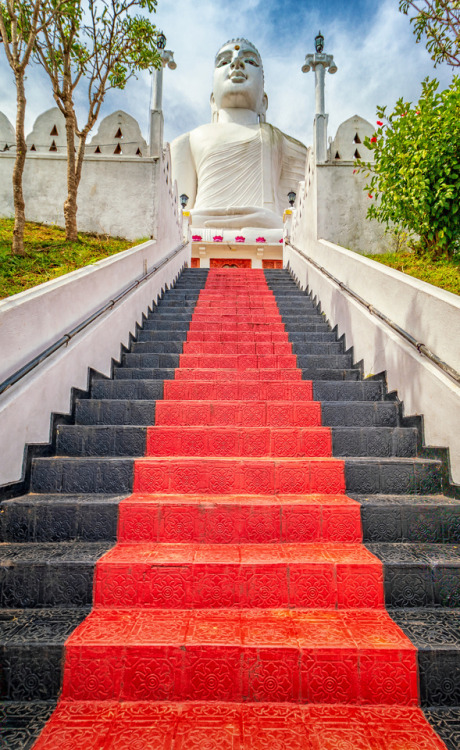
[214,110]
[263,108]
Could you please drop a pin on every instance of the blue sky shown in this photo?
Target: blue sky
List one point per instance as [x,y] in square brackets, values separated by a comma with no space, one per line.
[372,43]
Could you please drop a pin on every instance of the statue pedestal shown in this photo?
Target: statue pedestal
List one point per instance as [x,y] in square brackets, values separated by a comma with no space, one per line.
[260,248]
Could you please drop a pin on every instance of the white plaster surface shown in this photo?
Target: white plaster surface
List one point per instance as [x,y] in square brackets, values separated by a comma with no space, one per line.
[429,314]
[344,144]
[7,132]
[42,136]
[116,194]
[131,139]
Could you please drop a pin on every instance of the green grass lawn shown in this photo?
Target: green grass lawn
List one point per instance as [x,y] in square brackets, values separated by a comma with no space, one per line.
[444,273]
[48,255]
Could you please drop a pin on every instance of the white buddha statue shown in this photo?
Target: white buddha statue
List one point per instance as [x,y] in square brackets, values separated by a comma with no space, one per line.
[238,169]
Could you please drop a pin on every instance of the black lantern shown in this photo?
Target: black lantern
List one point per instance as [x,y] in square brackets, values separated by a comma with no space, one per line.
[183,200]
[319,42]
[161,40]
[291,198]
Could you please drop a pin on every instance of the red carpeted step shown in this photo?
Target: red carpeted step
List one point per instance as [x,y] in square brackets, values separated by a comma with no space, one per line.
[238,390]
[239,441]
[314,656]
[239,361]
[111,725]
[197,576]
[227,375]
[242,413]
[233,336]
[246,347]
[227,519]
[238,476]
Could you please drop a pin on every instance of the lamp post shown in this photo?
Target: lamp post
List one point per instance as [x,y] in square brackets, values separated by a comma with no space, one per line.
[320,62]
[156,106]
[291,198]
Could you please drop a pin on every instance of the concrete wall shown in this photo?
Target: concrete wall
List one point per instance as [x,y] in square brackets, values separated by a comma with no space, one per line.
[429,314]
[116,194]
[32,320]
[342,208]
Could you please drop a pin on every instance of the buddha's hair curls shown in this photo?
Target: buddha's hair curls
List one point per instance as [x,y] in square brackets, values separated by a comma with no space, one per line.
[241,39]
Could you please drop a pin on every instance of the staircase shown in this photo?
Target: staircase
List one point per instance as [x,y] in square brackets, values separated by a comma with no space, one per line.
[277,568]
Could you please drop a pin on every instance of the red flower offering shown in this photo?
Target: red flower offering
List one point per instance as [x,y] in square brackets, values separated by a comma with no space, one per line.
[260,239]
[218,238]
[240,239]
[281,240]
[197,238]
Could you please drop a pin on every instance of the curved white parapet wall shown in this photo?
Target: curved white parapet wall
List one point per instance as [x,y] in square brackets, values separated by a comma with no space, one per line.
[429,314]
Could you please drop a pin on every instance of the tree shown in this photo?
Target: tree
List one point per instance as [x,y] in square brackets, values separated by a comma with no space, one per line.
[99,45]
[415,178]
[20,23]
[439,22]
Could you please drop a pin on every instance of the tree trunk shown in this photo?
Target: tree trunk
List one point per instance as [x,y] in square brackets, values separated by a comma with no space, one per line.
[18,170]
[70,205]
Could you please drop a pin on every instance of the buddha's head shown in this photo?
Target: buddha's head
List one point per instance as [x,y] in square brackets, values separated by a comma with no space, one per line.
[239,78]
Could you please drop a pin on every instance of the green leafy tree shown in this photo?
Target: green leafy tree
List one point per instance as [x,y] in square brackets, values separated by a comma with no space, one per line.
[415,178]
[20,23]
[438,22]
[99,45]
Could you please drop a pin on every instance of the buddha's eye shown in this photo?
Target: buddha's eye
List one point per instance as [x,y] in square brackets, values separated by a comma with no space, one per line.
[252,62]
[223,62]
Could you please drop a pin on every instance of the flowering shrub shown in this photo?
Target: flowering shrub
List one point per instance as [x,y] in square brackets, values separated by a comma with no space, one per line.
[218,238]
[197,238]
[415,175]
[240,239]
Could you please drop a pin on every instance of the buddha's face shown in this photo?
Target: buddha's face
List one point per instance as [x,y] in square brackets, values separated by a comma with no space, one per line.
[238,77]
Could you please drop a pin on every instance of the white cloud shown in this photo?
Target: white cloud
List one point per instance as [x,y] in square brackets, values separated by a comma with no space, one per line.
[376,54]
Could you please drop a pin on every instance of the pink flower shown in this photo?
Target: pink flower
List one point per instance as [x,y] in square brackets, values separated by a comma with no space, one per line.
[374,139]
[240,239]
[369,195]
[260,239]
[218,238]
[197,238]
[354,171]
[281,240]
[379,122]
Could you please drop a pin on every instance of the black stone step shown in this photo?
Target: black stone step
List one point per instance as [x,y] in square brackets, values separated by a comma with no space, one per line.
[157,347]
[153,335]
[22,722]
[143,373]
[60,518]
[80,475]
[48,574]
[405,518]
[306,324]
[320,373]
[296,337]
[364,390]
[151,360]
[436,635]
[393,476]
[112,411]
[332,361]
[321,348]
[32,645]
[103,440]
[374,441]
[359,414]
[145,390]
[112,474]
[446,722]
[419,574]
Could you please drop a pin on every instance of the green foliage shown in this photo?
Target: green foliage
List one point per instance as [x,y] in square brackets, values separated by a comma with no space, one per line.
[415,178]
[443,272]
[48,255]
[438,22]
